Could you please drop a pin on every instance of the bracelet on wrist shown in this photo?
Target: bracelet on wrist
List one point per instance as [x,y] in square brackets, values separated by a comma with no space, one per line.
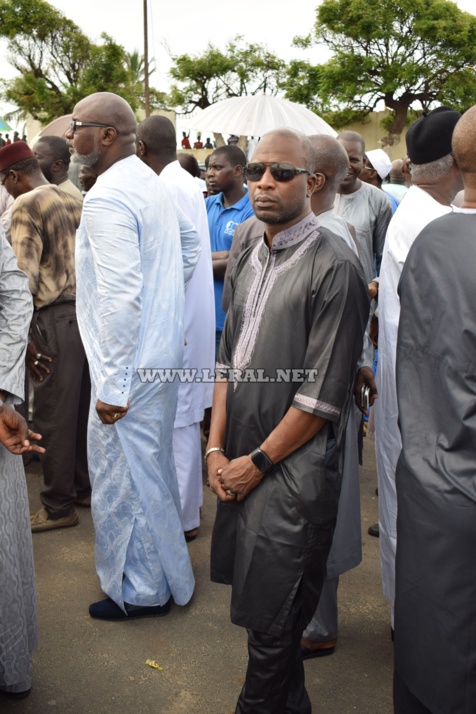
[211,450]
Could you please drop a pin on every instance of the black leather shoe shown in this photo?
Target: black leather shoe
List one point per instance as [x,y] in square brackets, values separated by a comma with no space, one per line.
[108,610]
[374,531]
[16,695]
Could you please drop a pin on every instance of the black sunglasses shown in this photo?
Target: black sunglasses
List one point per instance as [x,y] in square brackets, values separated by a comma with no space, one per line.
[74,125]
[280,172]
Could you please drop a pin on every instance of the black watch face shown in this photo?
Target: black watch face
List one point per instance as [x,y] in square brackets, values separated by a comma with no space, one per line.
[261,461]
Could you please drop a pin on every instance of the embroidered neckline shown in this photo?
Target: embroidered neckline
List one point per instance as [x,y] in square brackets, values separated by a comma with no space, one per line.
[295,234]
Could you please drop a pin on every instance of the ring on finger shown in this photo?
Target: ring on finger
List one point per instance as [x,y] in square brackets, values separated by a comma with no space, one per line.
[38,355]
[35,362]
[230,492]
[116,415]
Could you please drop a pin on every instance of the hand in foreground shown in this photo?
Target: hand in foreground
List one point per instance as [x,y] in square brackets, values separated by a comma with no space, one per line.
[239,477]
[216,462]
[37,362]
[365,378]
[109,414]
[373,290]
[15,434]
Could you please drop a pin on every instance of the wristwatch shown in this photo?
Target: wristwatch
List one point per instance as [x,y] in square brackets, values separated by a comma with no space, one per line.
[261,460]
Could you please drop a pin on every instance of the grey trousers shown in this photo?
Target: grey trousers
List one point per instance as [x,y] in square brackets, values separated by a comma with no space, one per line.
[323,626]
[61,407]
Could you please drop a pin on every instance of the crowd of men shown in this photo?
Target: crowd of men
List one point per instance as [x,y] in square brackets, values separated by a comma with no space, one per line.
[264,294]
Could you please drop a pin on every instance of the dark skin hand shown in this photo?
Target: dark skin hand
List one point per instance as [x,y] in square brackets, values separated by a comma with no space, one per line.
[107,412]
[241,476]
[219,263]
[15,434]
[373,290]
[365,377]
[33,355]
[216,462]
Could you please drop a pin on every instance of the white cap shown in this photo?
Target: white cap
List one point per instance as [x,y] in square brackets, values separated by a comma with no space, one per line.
[380,161]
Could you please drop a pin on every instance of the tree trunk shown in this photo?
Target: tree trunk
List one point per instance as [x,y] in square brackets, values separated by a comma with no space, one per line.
[398,124]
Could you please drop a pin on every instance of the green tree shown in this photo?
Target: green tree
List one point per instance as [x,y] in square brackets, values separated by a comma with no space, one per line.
[241,69]
[57,63]
[136,72]
[404,53]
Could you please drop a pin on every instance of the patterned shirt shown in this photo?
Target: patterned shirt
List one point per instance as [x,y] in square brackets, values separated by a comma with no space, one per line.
[44,223]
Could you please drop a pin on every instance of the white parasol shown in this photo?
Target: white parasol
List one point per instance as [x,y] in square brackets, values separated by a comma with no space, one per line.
[254,115]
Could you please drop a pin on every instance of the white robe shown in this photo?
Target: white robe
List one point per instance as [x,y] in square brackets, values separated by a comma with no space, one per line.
[199,352]
[130,298]
[416,210]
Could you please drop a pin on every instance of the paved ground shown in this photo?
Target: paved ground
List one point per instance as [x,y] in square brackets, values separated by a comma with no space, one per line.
[85,666]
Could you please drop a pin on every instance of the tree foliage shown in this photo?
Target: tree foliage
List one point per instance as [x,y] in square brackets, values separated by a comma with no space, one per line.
[405,53]
[57,63]
[202,80]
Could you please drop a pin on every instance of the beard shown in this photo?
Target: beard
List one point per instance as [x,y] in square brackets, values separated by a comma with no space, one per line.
[278,214]
[90,159]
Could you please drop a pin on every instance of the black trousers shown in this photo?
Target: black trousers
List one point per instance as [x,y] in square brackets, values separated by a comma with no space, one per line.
[404,702]
[61,407]
[275,675]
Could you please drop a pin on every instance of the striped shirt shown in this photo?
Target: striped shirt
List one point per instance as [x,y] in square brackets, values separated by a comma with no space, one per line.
[44,223]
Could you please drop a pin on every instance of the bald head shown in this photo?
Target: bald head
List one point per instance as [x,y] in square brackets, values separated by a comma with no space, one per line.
[158,135]
[190,164]
[330,158]
[105,132]
[396,174]
[464,145]
[289,138]
[282,203]
[108,108]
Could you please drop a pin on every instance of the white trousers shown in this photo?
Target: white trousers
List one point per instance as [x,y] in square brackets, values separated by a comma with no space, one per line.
[188,463]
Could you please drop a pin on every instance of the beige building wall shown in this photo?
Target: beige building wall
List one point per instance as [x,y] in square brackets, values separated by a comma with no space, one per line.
[373,134]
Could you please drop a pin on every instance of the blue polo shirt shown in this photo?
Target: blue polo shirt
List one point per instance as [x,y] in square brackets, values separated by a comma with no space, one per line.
[222,223]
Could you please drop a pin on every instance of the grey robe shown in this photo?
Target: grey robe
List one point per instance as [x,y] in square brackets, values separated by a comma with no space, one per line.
[435,608]
[18,625]
[304,304]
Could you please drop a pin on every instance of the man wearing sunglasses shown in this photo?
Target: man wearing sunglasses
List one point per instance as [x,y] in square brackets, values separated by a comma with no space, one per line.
[320,636]
[292,337]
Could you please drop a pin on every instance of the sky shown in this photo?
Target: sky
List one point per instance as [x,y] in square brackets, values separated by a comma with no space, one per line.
[187,26]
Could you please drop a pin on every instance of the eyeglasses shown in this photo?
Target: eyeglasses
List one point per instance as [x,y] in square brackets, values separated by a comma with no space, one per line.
[2,182]
[74,125]
[280,172]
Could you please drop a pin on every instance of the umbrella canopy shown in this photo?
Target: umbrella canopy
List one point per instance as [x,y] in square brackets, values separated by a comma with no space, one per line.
[254,115]
[4,126]
[57,127]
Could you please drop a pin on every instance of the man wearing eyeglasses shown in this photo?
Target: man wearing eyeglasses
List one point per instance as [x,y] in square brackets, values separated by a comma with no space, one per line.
[292,337]
[131,280]
[44,223]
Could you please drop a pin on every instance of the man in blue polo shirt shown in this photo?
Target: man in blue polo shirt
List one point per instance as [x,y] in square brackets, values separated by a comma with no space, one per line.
[227,208]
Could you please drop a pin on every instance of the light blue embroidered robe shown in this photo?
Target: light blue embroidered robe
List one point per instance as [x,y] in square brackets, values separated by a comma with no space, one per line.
[130,301]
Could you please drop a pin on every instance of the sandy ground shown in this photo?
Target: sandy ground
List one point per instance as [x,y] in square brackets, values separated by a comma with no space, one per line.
[85,666]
